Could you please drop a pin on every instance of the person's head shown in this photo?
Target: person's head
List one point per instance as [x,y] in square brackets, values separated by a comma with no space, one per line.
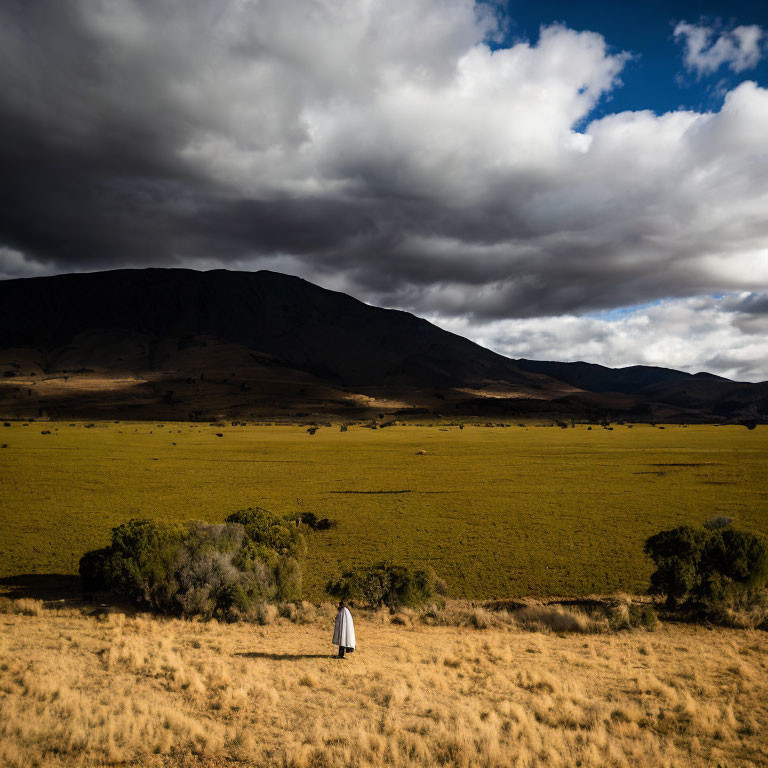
[341,605]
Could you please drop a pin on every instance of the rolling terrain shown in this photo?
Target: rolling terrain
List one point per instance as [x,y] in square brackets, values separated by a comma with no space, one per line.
[177,344]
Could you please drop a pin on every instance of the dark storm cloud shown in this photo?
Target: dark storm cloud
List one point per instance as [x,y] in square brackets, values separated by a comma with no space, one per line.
[118,200]
[752,304]
[442,178]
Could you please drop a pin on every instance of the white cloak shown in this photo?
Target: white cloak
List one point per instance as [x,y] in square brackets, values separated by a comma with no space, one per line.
[344,630]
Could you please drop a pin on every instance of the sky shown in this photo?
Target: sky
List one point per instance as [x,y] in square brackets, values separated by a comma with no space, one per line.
[555,180]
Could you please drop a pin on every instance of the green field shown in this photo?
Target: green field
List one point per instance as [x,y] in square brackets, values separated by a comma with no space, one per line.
[495,511]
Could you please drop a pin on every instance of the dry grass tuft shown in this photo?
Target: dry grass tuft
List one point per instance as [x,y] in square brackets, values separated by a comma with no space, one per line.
[557,619]
[537,617]
[24,606]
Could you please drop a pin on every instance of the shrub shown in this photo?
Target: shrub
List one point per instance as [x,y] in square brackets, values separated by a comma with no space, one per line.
[315,523]
[384,584]
[288,579]
[624,614]
[271,530]
[141,555]
[676,554]
[206,579]
[646,617]
[707,570]
[264,613]
[197,569]
[480,618]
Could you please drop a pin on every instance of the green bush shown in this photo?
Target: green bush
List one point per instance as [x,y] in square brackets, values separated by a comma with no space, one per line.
[676,554]
[271,530]
[141,555]
[708,569]
[288,580]
[384,584]
[197,569]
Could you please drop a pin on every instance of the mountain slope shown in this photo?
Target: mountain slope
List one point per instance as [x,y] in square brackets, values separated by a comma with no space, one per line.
[177,343]
[599,378]
[299,324]
[701,395]
[227,342]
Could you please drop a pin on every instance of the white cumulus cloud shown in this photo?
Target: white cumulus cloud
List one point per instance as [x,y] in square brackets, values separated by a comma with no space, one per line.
[706,49]
[726,335]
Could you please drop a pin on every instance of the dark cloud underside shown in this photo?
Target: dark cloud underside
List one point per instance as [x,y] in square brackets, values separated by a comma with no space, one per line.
[329,139]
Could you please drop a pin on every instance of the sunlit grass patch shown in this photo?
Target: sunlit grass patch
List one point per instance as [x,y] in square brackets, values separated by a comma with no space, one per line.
[78,690]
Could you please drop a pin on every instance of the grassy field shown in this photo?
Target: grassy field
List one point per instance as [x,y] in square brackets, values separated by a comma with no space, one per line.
[496,512]
[80,690]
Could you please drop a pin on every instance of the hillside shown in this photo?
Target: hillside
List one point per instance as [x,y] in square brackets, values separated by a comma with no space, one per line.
[701,395]
[181,344]
[76,320]
[599,378]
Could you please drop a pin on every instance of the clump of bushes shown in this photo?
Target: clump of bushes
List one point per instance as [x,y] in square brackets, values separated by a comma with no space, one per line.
[385,584]
[709,572]
[225,571]
[315,523]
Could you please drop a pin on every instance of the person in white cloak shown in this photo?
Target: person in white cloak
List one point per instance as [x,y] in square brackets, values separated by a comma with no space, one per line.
[344,630]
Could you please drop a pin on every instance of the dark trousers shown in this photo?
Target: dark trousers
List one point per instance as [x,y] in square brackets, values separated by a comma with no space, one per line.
[341,651]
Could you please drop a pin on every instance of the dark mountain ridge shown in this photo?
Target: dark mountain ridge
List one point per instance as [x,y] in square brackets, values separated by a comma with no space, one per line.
[599,378]
[322,332]
[178,343]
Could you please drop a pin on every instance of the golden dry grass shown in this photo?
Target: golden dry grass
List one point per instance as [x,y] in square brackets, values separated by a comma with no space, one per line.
[79,690]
